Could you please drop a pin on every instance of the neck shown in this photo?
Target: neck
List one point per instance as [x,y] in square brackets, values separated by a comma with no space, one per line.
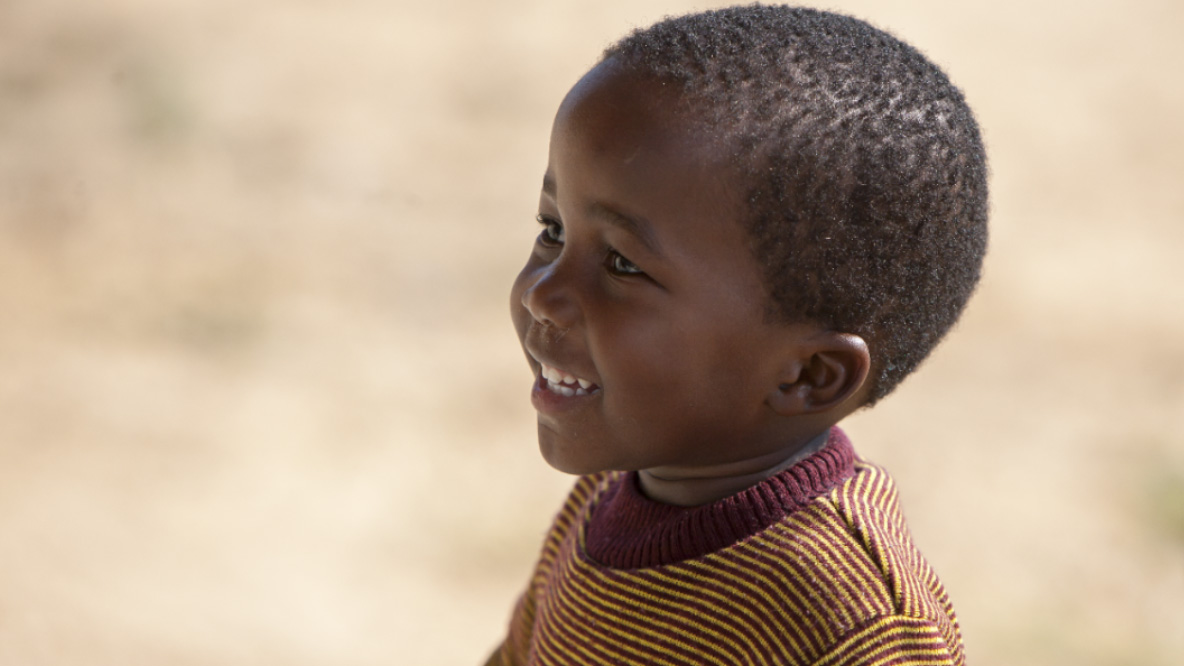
[693,486]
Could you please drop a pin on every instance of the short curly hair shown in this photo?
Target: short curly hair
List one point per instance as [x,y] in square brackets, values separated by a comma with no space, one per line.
[865,169]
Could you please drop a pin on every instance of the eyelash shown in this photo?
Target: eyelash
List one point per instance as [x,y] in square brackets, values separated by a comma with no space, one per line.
[615,262]
[545,236]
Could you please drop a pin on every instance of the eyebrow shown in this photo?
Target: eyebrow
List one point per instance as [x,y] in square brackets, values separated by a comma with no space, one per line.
[639,228]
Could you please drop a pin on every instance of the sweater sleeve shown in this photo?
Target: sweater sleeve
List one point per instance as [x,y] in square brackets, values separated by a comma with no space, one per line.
[896,640]
[495,659]
[514,649]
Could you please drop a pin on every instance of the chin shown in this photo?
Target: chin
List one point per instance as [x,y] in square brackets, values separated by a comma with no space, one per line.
[558,455]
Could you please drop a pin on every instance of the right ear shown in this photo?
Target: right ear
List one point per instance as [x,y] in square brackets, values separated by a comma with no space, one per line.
[829,369]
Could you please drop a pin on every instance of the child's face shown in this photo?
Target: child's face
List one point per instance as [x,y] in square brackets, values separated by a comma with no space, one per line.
[642,284]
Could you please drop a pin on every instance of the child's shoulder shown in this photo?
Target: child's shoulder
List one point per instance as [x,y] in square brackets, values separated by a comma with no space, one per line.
[868,497]
[861,513]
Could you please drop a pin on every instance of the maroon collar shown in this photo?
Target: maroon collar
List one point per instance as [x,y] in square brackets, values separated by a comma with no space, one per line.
[627,530]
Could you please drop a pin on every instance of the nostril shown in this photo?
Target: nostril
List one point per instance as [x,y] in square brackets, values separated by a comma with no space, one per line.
[535,304]
[553,333]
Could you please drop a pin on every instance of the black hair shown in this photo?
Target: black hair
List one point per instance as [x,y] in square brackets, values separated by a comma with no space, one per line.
[865,172]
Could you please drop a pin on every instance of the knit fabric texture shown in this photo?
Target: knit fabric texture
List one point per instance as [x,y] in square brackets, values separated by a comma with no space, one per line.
[812,566]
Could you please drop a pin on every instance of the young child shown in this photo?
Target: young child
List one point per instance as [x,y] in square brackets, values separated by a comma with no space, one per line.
[755,221]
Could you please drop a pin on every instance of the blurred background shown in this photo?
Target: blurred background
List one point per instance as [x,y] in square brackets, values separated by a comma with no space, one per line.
[261,402]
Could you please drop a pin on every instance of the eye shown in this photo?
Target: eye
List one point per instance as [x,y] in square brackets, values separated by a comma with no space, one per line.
[552,233]
[618,264]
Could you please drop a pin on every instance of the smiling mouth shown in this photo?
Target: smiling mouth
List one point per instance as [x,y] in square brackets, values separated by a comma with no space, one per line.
[558,381]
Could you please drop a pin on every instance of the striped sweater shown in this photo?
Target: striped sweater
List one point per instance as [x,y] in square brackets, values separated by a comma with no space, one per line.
[812,566]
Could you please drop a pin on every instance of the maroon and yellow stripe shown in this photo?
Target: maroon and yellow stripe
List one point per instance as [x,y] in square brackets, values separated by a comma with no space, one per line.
[837,582]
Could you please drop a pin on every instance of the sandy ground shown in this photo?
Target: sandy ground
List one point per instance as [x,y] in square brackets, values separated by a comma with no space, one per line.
[260,401]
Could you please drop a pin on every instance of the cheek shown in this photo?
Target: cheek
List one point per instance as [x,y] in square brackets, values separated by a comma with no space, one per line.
[645,361]
[672,365]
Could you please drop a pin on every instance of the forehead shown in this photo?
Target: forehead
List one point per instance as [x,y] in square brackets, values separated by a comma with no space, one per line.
[636,139]
[615,106]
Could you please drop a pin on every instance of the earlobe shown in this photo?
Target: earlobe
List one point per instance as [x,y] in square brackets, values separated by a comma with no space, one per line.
[834,368]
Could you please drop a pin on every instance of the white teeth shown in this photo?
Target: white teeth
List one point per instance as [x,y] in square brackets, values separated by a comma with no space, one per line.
[564,384]
[558,376]
[566,391]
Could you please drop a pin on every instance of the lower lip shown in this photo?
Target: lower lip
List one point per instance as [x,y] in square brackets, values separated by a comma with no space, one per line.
[546,400]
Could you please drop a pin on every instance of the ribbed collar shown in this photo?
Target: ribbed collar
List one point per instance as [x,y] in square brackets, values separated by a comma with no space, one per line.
[627,530]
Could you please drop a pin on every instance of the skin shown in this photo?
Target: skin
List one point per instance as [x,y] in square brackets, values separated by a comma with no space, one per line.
[642,283]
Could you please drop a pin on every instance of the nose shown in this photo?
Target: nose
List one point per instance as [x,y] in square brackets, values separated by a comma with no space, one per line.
[549,297]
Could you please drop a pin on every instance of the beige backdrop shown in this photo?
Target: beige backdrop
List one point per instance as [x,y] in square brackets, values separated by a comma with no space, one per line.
[260,400]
